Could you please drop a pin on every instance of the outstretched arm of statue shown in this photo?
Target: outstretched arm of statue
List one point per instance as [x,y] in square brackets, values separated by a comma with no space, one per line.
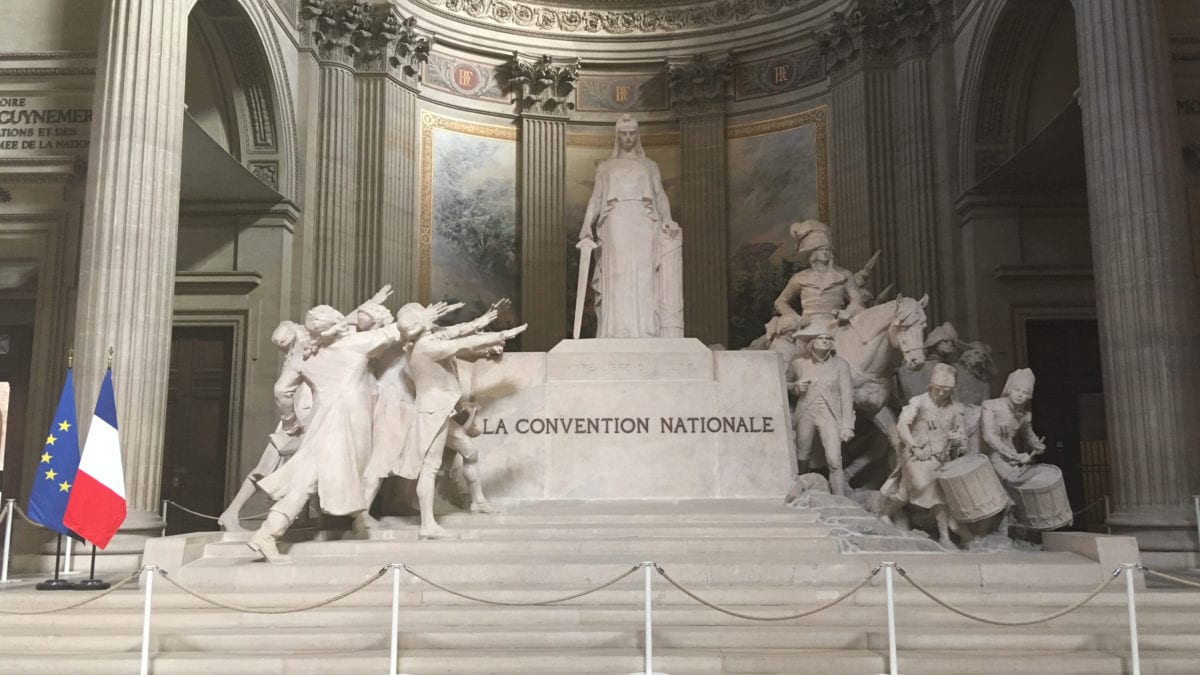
[285,398]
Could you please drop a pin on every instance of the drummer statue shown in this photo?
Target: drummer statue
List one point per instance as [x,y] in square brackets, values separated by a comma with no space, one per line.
[1007,423]
[825,407]
[932,433]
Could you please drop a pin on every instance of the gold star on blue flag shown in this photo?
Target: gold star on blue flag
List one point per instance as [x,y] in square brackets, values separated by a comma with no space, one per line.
[59,461]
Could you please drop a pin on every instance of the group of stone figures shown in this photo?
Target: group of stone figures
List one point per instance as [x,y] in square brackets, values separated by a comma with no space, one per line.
[361,398]
[963,459]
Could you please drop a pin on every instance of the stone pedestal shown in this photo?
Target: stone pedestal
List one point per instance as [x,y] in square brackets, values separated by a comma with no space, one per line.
[130,227]
[633,419]
[1148,303]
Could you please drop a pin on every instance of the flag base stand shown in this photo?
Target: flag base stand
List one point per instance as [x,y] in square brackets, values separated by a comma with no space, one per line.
[54,585]
[90,585]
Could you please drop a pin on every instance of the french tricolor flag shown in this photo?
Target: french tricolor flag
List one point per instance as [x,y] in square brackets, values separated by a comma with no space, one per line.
[97,504]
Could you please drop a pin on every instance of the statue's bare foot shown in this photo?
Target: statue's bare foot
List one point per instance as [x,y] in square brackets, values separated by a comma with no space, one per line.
[264,545]
[435,532]
[484,506]
[230,522]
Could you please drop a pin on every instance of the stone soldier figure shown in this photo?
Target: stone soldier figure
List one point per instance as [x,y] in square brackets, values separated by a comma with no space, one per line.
[1008,436]
[821,378]
[932,432]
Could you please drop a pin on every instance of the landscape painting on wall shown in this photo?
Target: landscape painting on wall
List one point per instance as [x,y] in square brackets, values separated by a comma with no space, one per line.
[469,247]
[584,154]
[776,176]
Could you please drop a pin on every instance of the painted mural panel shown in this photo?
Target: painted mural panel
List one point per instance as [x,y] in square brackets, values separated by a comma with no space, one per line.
[469,249]
[584,154]
[776,176]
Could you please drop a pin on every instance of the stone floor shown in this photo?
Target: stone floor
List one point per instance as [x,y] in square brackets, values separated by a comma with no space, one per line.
[756,557]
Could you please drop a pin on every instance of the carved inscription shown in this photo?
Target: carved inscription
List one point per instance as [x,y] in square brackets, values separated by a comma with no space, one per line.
[582,426]
[43,123]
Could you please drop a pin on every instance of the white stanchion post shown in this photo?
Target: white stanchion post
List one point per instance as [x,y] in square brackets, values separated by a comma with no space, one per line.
[165,502]
[66,568]
[148,573]
[893,664]
[649,569]
[8,518]
[395,619]
[1196,503]
[1134,656]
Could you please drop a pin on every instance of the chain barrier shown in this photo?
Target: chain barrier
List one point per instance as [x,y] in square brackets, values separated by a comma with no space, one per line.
[1168,577]
[271,610]
[21,512]
[185,509]
[730,612]
[1004,622]
[1089,507]
[113,589]
[501,603]
[4,511]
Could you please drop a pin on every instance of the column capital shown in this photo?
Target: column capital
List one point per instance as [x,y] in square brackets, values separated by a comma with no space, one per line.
[920,25]
[538,86]
[859,38]
[392,44]
[329,27]
[699,86]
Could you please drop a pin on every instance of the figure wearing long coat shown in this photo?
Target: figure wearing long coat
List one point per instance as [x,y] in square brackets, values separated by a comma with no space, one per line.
[337,441]
[395,419]
[931,429]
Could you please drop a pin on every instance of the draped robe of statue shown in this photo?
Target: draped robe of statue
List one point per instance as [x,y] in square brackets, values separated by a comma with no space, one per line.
[638,277]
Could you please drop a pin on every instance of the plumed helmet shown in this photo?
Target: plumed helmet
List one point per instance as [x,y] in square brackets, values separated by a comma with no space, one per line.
[944,375]
[810,235]
[1022,378]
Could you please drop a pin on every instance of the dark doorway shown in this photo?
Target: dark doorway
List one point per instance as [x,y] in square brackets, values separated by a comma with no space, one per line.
[16,353]
[196,444]
[1068,409]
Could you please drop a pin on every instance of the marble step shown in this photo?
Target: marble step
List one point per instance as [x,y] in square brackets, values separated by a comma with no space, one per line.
[248,640]
[610,662]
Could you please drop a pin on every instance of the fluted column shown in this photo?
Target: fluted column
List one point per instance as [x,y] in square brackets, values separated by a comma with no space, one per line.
[387,140]
[858,60]
[543,237]
[706,234]
[541,90]
[1147,297]
[699,96]
[129,233]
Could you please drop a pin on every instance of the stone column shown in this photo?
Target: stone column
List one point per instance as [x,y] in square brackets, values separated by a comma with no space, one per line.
[387,136]
[858,61]
[699,93]
[328,32]
[542,91]
[129,233]
[920,220]
[1147,297]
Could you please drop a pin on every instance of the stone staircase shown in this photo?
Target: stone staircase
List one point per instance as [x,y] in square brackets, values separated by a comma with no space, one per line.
[751,556]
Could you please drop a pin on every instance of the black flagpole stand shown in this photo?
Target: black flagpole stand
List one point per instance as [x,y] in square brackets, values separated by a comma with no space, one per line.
[91,583]
[55,584]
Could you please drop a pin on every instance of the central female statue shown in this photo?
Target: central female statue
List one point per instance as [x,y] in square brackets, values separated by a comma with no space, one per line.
[639,275]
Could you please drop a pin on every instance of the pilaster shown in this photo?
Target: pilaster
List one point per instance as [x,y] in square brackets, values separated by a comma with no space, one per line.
[542,92]
[699,96]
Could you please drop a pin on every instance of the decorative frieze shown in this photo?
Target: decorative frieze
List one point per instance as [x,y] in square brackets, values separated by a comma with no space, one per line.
[539,87]
[530,17]
[778,74]
[699,86]
[643,92]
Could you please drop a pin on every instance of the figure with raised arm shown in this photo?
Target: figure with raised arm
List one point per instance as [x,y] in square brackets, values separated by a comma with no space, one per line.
[432,367]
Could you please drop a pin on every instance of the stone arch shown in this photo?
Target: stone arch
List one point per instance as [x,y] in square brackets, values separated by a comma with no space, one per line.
[261,93]
[994,93]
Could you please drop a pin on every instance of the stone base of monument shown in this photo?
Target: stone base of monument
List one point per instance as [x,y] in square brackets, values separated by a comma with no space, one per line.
[633,419]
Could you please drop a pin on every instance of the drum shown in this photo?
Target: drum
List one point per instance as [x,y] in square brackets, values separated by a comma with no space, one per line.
[1040,497]
[971,488]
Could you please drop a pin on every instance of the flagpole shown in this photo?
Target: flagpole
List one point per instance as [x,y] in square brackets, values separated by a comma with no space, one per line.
[91,583]
[55,584]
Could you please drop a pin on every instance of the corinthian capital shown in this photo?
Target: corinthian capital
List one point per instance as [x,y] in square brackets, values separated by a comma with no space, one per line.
[863,36]
[539,87]
[699,86]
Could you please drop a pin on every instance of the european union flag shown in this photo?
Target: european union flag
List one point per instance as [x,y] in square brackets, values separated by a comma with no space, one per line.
[59,461]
